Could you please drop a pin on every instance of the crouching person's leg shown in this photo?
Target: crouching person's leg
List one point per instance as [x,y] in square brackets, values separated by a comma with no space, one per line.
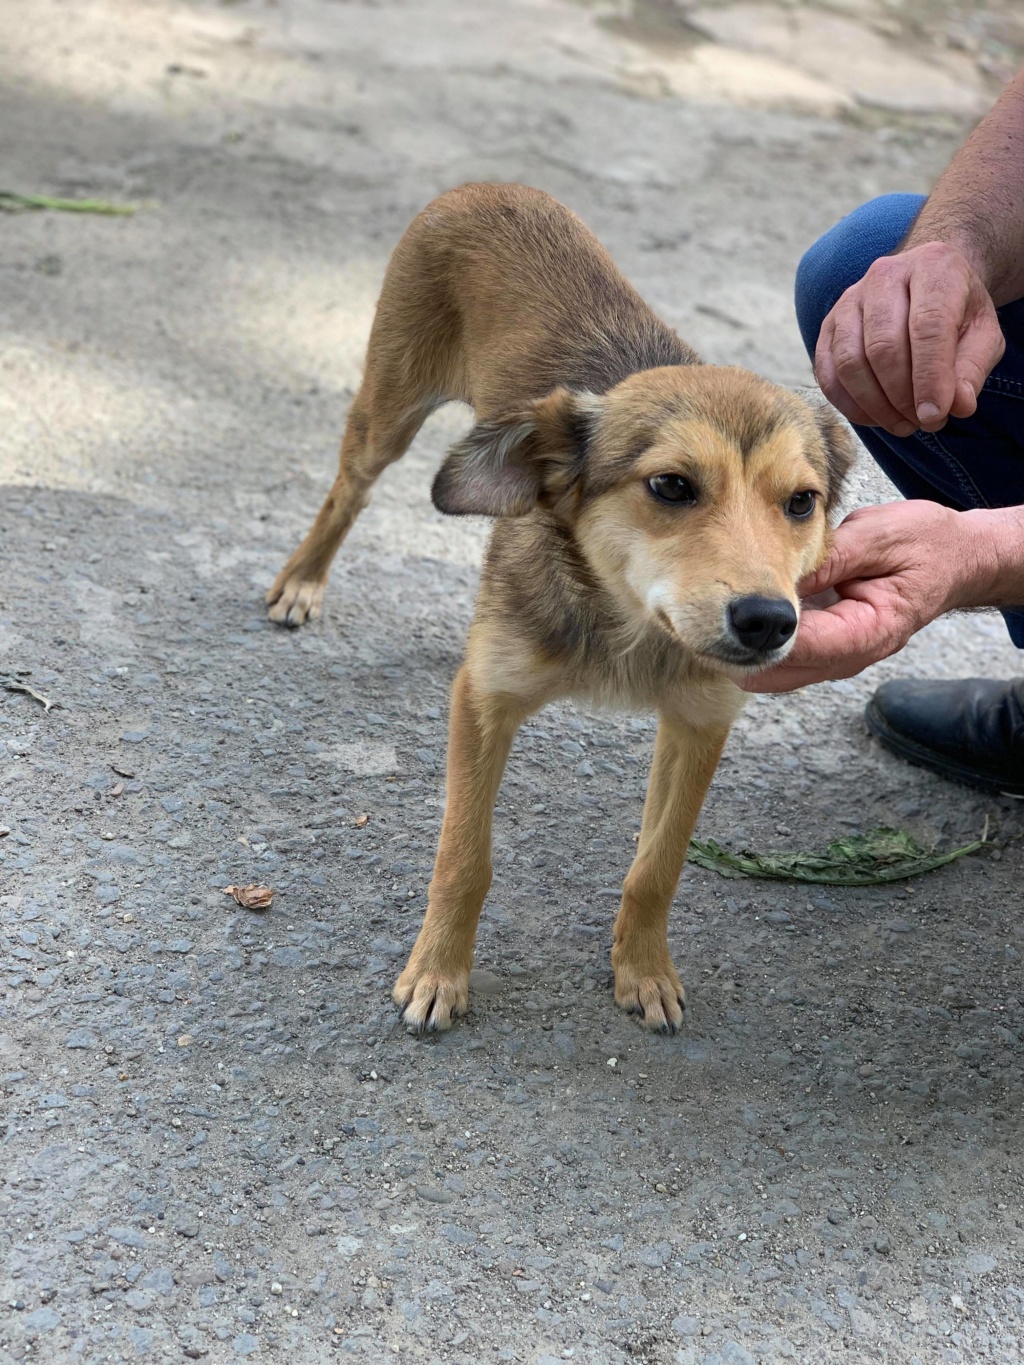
[971,731]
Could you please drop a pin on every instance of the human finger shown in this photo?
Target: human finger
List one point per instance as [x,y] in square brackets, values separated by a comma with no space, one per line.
[854,371]
[886,314]
[980,348]
[934,325]
[832,642]
[828,381]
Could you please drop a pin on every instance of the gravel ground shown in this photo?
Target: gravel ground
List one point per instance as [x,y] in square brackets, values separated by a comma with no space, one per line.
[217,1142]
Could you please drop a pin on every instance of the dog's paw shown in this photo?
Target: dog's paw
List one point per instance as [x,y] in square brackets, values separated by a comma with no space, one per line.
[428,999]
[293,600]
[654,995]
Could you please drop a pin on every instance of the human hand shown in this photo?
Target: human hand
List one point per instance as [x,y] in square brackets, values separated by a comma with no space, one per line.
[894,569]
[911,343]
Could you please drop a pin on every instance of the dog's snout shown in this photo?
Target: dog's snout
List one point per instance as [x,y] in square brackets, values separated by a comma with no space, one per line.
[762,623]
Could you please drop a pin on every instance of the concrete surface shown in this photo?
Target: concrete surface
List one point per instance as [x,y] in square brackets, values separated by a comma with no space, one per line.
[216,1142]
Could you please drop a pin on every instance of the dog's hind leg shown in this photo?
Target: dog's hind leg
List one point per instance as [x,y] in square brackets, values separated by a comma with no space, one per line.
[373,440]
[646,981]
[414,363]
[434,987]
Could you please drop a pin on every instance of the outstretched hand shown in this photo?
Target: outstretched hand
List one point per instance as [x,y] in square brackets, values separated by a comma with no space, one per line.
[893,568]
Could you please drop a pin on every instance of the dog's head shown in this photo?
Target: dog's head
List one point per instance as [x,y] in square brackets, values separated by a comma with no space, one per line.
[699,495]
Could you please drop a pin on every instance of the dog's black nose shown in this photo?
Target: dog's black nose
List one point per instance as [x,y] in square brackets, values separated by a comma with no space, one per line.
[762,623]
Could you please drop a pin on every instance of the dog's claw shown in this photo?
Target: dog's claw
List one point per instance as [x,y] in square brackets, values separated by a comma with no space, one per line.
[655,997]
[294,601]
[429,1001]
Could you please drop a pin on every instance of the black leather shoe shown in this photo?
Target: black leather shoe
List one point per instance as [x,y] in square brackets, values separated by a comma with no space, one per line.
[970,731]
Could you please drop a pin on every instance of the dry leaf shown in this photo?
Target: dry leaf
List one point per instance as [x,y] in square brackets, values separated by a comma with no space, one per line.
[16,685]
[251,897]
[361,821]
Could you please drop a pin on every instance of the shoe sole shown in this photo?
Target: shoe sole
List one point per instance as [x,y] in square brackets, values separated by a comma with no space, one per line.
[927,758]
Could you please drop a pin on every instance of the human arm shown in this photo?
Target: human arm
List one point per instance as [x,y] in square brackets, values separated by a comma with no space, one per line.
[895,568]
[914,340]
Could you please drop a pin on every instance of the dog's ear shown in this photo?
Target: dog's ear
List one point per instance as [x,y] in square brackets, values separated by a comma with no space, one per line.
[510,463]
[840,450]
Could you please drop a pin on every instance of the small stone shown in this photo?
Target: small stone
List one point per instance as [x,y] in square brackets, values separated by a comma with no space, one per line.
[685,1326]
[732,1353]
[161,1279]
[612,1061]
[276,1288]
[185,1040]
[484,983]
[42,1320]
[981,1264]
[432,1195]
[126,1237]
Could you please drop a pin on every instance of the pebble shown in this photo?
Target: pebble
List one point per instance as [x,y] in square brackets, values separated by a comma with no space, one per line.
[41,1320]
[81,1038]
[430,1194]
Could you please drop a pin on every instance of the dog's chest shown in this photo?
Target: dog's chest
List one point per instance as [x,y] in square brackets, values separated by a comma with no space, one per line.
[653,675]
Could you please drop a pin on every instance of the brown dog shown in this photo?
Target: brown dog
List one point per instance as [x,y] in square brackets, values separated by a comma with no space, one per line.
[654,518]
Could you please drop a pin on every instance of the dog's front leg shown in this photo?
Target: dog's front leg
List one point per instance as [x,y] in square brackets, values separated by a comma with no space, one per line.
[646,981]
[435,984]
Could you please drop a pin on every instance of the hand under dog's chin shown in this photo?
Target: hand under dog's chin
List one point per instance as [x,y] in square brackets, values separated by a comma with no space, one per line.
[724,655]
[738,669]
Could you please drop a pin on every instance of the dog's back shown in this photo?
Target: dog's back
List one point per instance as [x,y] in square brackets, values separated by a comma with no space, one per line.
[526,292]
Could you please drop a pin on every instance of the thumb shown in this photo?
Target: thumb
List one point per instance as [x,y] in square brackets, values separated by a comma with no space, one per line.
[825,576]
[979,349]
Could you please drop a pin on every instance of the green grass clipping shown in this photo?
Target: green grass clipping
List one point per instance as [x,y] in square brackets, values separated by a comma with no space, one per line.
[881,855]
[18,203]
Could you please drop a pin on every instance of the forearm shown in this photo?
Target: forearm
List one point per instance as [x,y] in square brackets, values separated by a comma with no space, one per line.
[978,204]
[992,559]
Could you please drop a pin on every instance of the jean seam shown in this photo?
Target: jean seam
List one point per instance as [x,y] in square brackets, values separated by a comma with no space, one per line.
[1012,388]
[969,488]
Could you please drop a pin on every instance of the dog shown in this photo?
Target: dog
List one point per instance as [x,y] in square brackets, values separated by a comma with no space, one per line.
[653,517]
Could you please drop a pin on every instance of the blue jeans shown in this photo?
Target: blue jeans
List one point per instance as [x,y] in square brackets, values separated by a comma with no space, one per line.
[978,462]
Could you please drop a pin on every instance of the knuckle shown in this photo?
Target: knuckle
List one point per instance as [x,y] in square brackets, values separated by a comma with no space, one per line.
[883,267]
[847,359]
[936,312]
[931,336]
[882,346]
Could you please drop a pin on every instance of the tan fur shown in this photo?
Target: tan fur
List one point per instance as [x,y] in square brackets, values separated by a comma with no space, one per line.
[592,587]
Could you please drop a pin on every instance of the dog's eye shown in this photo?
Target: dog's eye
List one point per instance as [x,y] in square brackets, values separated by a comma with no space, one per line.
[673,488]
[801,505]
